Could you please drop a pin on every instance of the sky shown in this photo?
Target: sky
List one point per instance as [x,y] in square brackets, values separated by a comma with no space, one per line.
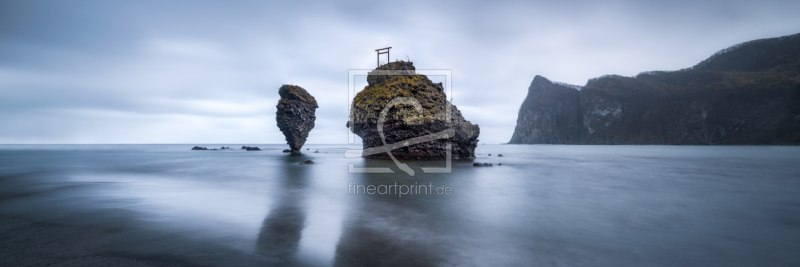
[197,72]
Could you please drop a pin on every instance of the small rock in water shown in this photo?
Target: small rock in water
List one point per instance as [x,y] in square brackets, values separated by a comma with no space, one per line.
[199,148]
[308,149]
[490,155]
[499,155]
[287,151]
[479,164]
[316,151]
[499,164]
[306,162]
[253,148]
[244,147]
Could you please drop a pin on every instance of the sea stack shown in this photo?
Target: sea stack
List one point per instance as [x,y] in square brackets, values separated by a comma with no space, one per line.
[419,109]
[295,115]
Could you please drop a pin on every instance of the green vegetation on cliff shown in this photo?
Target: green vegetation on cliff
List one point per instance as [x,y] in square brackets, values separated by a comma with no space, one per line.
[387,83]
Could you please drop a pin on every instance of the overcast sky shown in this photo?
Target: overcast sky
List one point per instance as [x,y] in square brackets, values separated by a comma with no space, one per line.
[208,72]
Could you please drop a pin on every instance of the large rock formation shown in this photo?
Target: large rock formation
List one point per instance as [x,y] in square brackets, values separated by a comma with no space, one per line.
[295,115]
[403,122]
[549,115]
[746,94]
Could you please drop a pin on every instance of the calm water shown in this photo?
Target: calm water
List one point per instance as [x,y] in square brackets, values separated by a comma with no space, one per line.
[545,206]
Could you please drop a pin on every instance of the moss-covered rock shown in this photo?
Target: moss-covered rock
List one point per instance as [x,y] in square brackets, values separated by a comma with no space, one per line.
[398,81]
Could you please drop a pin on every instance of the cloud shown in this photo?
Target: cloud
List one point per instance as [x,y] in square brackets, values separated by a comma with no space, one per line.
[187,48]
[208,72]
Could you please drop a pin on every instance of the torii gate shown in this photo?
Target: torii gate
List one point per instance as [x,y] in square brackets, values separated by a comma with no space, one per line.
[379,54]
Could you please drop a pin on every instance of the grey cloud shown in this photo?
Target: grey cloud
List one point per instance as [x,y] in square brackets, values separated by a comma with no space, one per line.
[208,72]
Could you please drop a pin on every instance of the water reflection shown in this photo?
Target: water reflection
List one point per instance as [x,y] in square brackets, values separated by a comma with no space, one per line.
[281,231]
[390,231]
[545,206]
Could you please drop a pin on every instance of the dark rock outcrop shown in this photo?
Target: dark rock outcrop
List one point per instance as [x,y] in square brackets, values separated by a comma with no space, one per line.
[479,164]
[746,94]
[252,148]
[295,115]
[550,114]
[403,121]
[199,148]
[306,162]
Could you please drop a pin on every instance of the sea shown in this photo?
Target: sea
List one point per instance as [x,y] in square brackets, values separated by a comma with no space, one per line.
[536,205]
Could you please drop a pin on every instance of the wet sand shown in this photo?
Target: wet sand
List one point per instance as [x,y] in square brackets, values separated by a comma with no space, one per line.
[29,242]
[108,237]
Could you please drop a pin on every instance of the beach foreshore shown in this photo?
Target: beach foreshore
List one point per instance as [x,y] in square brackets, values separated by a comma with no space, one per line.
[31,242]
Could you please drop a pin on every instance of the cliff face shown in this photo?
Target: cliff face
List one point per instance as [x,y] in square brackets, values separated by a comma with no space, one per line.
[746,94]
[549,115]
[405,119]
[295,115]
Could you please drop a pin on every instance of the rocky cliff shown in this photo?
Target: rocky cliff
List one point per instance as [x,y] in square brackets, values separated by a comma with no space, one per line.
[746,94]
[295,115]
[412,113]
[549,115]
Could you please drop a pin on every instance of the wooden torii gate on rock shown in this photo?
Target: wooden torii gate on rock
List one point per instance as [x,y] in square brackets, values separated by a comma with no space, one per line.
[385,52]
